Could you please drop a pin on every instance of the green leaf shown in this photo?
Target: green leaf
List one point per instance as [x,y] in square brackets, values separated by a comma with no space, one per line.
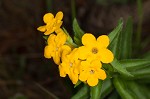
[137,90]
[146,90]
[134,64]
[106,88]
[145,80]
[119,67]
[78,83]
[141,73]
[45,37]
[122,88]
[78,32]
[115,38]
[96,90]
[115,46]
[126,40]
[114,95]
[69,39]
[116,31]
[83,93]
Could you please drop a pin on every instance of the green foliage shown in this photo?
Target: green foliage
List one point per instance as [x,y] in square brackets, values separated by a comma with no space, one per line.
[126,40]
[116,31]
[78,32]
[125,73]
[106,88]
[96,90]
[120,68]
[69,39]
[83,93]
[121,88]
[137,89]
[115,39]
[134,64]
[78,83]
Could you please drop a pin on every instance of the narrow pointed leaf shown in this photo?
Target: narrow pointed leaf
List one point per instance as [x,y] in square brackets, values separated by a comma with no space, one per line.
[141,73]
[115,32]
[115,46]
[78,83]
[119,67]
[96,90]
[106,88]
[126,40]
[115,38]
[78,32]
[83,93]
[134,64]
[122,89]
[137,90]
[69,39]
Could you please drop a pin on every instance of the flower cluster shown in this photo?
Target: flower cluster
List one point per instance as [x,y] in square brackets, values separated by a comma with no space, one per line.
[82,63]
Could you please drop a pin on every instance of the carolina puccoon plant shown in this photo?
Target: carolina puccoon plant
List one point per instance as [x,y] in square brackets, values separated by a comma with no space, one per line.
[102,65]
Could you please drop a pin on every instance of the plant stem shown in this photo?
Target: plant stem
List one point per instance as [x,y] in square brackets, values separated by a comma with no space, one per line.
[139,26]
[73,9]
[49,5]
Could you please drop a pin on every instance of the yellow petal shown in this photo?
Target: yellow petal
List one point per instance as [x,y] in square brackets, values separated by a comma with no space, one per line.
[61,39]
[41,28]
[83,52]
[83,76]
[58,25]
[48,18]
[76,69]
[85,65]
[48,51]
[56,58]
[106,56]
[88,39]
[65,51]
[103,41]
[51,39]
[96,64]
[101,74]
[73,77]
[62,71]
[74,54]
[49,31]
[65,66]
[59,30]
[59,15]
[92,81]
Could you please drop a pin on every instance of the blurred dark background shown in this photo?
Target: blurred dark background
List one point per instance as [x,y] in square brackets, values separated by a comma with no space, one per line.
[24,72]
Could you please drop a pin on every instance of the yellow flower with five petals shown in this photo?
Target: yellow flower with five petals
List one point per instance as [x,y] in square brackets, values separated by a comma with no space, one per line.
[55,46]
[70,66]
[52,23]
[95,49]
[91,72]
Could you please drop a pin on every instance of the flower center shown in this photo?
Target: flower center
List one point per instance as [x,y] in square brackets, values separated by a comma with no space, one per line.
[71,64]
[56,48]
[92,71]
[94,50]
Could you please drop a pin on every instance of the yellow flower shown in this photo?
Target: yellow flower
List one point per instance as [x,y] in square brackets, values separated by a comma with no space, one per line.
[52,24]
[91,72]
[70,65]
[95,49]
[55,46]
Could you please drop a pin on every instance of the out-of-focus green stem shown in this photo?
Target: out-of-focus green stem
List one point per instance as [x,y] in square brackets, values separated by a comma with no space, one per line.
[139,26]
[95,91]
[73,9]
[45,90]
[49,5]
